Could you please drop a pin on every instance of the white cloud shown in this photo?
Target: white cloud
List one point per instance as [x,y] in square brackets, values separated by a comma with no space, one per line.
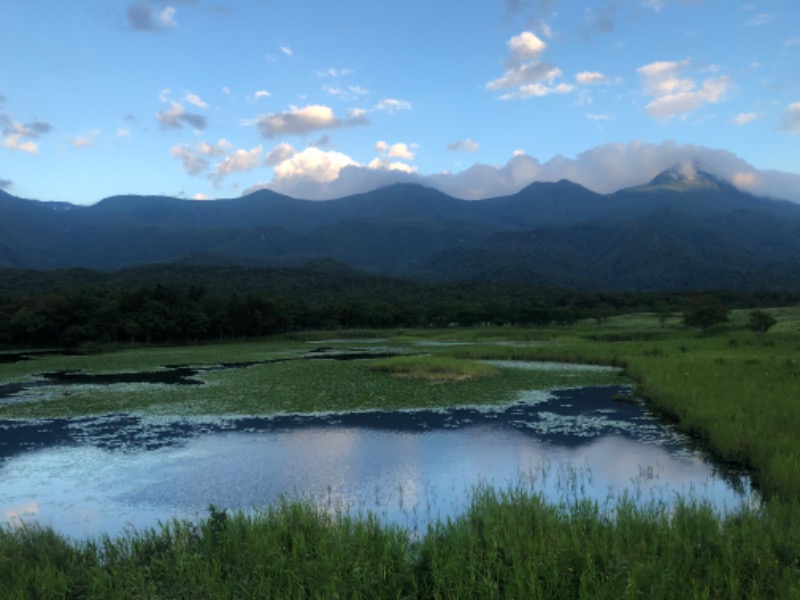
[350,92]
[795,41]
[591,78]
[19,136]
[525,46]
[123,132]
[744,118]
[392,104]
[218,149]
[238,162]
[300,121]
[17,142]
[287,51]
[790,121]
[195,100]
[176,116]
[200,197]
[279,153]
[599,117]
[675,94]
[191,162]
[525,75]
[196,161]
[261,94]
[313,164]
[398,150]
[466,145]
[387,165]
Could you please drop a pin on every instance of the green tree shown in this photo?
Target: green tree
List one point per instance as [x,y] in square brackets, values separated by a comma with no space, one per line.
[705,313]
[760,322]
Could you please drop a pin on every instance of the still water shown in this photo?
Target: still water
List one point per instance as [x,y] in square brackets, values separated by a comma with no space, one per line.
[89,476]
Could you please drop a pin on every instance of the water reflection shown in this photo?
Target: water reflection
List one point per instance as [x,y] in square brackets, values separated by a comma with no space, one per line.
[96,475]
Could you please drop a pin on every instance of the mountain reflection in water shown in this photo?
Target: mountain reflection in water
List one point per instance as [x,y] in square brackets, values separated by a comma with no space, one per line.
[93,475]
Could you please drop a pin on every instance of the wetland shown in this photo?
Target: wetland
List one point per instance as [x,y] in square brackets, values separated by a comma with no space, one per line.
[415,458]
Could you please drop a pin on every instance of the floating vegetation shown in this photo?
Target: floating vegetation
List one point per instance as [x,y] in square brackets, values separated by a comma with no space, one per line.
[435,369]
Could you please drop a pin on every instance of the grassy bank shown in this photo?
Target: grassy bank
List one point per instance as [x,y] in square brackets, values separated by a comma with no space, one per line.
[737,393]
[509,545]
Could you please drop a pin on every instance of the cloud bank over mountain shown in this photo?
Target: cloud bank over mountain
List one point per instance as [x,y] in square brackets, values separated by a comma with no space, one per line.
[604,169]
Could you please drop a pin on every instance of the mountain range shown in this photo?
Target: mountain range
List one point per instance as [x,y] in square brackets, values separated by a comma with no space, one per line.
[676,232]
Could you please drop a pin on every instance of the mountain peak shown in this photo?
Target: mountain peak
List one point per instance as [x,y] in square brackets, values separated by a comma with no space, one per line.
[685,177]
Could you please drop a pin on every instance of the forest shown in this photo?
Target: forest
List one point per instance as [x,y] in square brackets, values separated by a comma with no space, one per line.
[178,305]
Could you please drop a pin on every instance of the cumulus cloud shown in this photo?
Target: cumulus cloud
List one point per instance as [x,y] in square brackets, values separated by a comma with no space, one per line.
[176,116]
[313,164]
[195,161]
[279,153]
[237,162]
[525,75]
[790,121]
[466,145]
[142,17]
[398,150]
[218,149]
[191,161]
[20,136]
[304,120]
[287,51]
[673,93]
[15,142]
[195,100]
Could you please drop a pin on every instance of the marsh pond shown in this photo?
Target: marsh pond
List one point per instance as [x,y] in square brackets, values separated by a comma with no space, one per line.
[92,475]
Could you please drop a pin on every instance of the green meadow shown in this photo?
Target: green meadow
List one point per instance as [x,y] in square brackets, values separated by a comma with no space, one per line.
[734,392]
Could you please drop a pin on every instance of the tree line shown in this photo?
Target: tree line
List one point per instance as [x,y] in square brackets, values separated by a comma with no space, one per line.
[158,313]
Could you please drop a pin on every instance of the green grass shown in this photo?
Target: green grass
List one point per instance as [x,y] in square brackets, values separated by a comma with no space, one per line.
[510,544]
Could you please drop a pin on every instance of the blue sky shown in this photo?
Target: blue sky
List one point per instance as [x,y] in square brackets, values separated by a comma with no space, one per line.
[212,98]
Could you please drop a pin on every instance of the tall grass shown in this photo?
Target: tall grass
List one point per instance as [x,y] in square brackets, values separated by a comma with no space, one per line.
[510,544]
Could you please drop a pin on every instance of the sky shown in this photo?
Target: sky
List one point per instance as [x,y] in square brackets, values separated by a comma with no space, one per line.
[208,99]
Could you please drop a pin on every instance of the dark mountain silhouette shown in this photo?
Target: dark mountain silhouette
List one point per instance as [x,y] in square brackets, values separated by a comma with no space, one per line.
[681,230]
